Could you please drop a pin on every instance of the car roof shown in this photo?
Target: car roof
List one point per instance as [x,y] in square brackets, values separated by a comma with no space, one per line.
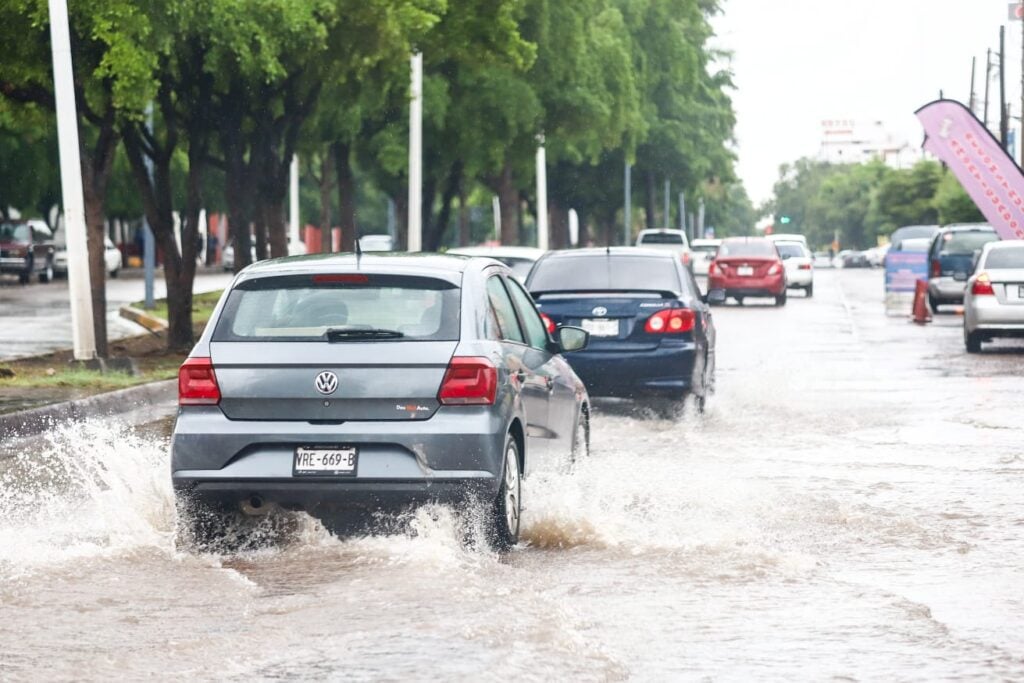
[610,251]
[964,227]
[705,242]
[786,237]
[747,238]
[378,261]
[654,231]
[1003,244]
[498,250]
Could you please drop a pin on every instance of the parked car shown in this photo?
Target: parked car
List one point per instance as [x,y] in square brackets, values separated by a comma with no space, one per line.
[748,267]
[337,386]
[788,237]
[994,296]
[951,259]
[910,237]
[651,332]
[377,242]
[849,258]
[703,253]
[799,264]
[112,258]
[674,241]
[26,248]
[824,259]
[519,259]
[876,255]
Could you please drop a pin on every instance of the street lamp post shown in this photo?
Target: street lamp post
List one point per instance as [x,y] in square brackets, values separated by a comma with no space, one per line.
[542,195]
[415,227]
[82,333]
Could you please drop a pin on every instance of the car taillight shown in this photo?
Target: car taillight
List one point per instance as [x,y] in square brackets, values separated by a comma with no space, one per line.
[775,269]
[982,286]
[714,268]
[197,383]
[469,380]
[686,258]
[548,323]
[670,321]
[936,268]
[805,266]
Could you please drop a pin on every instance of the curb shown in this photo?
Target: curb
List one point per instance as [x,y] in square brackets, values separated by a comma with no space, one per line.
[141,317]
[36,420]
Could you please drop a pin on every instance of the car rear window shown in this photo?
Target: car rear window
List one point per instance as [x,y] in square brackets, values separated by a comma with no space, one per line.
[1009,257]
[705,248]
[605,272]
[965,241]
[747,248]
[520,266]
[791,249]
[304,308]
[661,238]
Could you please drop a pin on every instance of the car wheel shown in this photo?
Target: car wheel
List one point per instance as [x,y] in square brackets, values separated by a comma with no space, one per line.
[115,272]
[933,303]
[507,508]
[972,340]
[739,300]
[810,291]
[780,300]
[47,273]
[581,437]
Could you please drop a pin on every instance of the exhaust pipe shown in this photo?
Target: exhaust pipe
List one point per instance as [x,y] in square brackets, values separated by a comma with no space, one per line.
[255,505]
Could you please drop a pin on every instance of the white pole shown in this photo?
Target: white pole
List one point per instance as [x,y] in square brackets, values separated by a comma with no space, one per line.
[415,231]
[79,288]
[542,197]
[574,228]
[496,215]
[293,203]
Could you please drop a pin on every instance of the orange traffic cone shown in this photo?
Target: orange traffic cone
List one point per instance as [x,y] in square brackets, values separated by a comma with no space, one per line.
[921,312]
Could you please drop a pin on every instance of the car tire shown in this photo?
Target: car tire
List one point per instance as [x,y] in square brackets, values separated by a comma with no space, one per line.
[810,291]
[934,303]
[581,437]
[972,340]
[780,300]
[507,507]
[46,275]
[739,300]
[114,273]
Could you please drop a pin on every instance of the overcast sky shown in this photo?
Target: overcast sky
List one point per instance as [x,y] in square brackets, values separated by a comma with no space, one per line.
[798,62]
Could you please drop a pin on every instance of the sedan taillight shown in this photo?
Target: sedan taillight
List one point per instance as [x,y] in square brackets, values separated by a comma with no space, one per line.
[197,383]
[714,268]
[936,268]
[982,286]
[805,266]
[776,268]
[469,380]
[671,321]
[548,323]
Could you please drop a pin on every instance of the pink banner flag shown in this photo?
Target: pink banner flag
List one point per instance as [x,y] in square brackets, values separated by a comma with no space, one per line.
[988,174]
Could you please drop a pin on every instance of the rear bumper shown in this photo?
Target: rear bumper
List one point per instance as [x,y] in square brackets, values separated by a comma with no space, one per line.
[947,290]
[666,371]
[773,285]
[453,455]
[986,313]
[11,264]
[799,278]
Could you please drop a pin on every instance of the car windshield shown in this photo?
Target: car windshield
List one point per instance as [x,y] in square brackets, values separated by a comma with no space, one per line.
[915,244]
[601,272]
[762,248]
[1008,257]
[791,249]
[306,307]
[661,238]
[15,232]
[963,242]
[705,248]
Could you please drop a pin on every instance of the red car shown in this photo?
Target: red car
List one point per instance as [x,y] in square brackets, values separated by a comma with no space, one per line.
[748,266]
[26,248]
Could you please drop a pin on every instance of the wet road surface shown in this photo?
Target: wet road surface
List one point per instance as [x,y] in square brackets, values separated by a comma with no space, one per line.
[849,508]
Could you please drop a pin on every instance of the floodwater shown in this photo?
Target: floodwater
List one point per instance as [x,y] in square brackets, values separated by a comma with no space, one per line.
[849,508]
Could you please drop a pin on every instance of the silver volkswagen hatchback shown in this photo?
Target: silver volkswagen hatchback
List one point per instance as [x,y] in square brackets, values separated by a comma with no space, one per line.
[339,385]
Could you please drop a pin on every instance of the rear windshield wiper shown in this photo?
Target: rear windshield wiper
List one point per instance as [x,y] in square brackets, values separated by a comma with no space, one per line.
[337,334]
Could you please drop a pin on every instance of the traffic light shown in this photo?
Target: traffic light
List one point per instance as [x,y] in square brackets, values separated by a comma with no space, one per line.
[784,220]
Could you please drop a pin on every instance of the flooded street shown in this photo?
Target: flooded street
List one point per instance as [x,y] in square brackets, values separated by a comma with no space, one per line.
[848,508]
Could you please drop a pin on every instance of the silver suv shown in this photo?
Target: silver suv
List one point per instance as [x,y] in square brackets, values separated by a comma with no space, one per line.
[341,385]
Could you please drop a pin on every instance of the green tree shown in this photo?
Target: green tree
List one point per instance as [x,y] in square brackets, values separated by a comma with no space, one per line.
[906,197]
[953,204]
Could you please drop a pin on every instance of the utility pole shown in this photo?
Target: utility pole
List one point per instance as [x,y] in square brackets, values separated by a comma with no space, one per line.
[988,81]
[682,214]
[668,206]
[974,66]
[415,226]
[542,195]
[79,287]
[148,239]
[293,203]
[627,213]
[1004,122]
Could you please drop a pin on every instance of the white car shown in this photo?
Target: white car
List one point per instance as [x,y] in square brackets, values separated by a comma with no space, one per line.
[666,240]
[788,237]
[703,253]
[799,264]
[377,242]
[519,259]
[111,258]
[994,297]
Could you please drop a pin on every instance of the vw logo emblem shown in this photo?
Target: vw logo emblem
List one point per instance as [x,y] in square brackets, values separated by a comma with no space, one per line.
[599,311]
[326,382]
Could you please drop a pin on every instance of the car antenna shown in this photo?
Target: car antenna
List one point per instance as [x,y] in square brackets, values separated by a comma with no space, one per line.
[359,251]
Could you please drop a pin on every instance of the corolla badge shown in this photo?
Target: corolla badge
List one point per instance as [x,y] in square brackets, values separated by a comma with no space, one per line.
[326,383]
[599,311]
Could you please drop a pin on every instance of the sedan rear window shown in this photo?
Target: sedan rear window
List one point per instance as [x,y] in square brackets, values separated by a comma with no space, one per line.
[605,272]
[350,307]
[1010,257]
[791,249]
[661,238]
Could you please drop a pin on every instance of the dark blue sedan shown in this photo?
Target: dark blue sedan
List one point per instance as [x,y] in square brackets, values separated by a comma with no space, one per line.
[651,332]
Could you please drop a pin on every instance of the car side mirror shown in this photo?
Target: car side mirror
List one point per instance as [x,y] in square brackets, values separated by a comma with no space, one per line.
[715,297]
[570,338]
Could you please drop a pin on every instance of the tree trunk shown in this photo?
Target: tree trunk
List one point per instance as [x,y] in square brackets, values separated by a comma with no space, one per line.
[439,228]
[277,227]
[650,196]
[464,233]
[508,202]
[402,221]
[326,184]
[238,195]
[558,225]
[97,164]
[346,195]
